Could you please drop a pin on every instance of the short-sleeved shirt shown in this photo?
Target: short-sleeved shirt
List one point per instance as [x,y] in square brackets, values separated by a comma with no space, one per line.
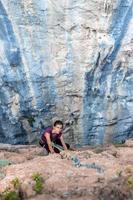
[53,136]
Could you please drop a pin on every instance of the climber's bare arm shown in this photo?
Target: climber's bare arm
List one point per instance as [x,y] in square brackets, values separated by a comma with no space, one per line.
[49,143]
[63,143]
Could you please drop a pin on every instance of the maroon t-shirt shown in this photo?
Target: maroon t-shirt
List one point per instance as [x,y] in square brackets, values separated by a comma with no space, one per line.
[53,136]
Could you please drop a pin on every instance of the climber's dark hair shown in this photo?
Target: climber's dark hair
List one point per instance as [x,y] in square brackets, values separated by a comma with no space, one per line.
[58,122]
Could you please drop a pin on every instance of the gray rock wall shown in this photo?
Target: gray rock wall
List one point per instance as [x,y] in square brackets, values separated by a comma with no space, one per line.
[69,60]
[108,95]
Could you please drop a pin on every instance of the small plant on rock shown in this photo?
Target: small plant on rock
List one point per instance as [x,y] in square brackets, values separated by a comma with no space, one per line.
[12,192]
[38,182]
[9,195]
[130,182]
[16,183]
[119,173]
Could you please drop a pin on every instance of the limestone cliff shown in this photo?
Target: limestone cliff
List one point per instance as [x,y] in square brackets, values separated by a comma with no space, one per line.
[69,60]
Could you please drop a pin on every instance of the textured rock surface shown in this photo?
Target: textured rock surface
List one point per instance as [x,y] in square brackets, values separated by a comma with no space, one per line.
[62,180]
[69,59]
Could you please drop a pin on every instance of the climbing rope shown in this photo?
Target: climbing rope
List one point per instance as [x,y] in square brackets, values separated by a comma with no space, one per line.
[60,148]
[76,160]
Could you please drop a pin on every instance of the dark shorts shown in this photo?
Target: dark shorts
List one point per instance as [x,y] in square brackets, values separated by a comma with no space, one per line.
[45,145]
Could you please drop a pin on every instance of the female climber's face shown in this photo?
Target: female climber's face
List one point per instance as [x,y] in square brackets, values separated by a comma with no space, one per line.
[57,128]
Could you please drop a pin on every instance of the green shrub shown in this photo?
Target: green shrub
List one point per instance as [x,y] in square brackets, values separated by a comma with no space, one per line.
[130,182]
[10,195]
[16,183]
[38,182]
[119,173]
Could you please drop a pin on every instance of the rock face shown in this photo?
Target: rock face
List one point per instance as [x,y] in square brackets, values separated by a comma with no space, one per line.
[62,179]
[69,60]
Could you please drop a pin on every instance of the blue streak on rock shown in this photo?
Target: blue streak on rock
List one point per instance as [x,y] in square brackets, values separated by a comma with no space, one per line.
[123,26]
[15,82]
[13,56]
[7,34]
[118,29]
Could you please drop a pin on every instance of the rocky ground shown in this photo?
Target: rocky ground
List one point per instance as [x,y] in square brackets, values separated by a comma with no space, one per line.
[88,173]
